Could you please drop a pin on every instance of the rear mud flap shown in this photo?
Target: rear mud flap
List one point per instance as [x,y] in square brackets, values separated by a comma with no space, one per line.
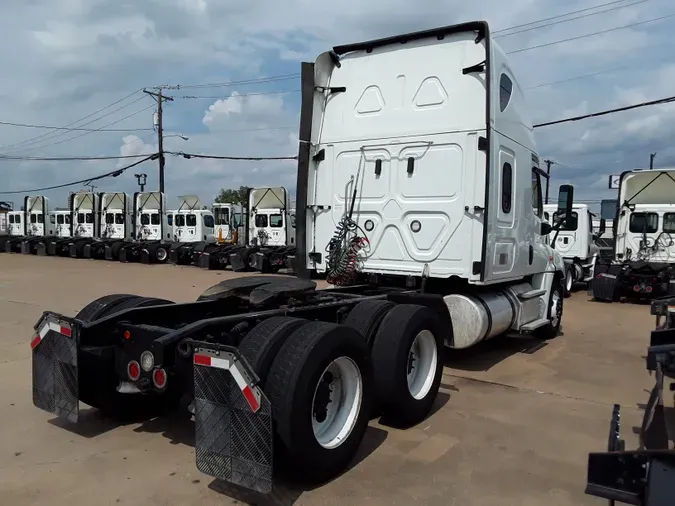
[233,421]
[55,372]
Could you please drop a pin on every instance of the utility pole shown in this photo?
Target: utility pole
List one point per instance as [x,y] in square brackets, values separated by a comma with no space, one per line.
[548,173]
[160,99]
[141,180]
[651,160]
[91,186]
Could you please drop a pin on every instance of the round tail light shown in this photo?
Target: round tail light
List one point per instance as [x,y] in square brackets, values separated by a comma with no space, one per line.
[133,370]
[636,288]
[159,378]
[649,289]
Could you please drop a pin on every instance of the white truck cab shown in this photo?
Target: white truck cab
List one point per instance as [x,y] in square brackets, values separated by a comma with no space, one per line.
[191,223]
[150,217]
[269,217]
[16,223]
[227,218]
[645,225]
[576,242]
[417,162]
[84,207]
[60,222]
[115,215]
[36,211]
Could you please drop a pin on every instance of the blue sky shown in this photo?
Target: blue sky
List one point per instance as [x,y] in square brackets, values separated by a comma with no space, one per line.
[70,58]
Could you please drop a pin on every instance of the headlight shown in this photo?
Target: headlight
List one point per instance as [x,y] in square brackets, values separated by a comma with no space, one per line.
[147,361]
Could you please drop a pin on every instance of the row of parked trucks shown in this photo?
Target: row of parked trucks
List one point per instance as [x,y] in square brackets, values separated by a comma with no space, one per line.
[116,226]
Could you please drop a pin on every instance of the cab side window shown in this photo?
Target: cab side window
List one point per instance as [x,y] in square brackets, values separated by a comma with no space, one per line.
[537,206]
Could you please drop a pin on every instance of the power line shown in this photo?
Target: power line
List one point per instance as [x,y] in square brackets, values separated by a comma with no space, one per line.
[666,100]
[112,173]
[48,134]
[617,7]
[259,80]
[219,157]
[49,127]
[88,132]
[67,158]
[593,34]
[284,92]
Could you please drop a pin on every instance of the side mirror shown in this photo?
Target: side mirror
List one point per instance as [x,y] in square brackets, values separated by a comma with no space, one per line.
[566,201]
[546,228]
[603,227]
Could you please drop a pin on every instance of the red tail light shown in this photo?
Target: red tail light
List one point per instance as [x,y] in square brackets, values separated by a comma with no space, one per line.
[636,288]
[649,289]
[159,378]
[133,370]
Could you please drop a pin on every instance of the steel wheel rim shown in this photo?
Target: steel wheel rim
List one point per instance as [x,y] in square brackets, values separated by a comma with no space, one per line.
[421,366]
[161,254]
[556,308]
[334,420]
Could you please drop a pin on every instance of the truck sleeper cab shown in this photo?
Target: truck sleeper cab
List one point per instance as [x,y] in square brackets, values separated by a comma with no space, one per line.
[16,230]
[84,207]
[271,365]
[61,229]
[643,265]
[576,242]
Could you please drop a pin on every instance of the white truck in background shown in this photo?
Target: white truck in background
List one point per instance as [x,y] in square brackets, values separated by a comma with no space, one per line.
[419,197]
[114,217]
[38,225]
[193,230]
[270,232]
[576,242]
[152,235]
[643,265]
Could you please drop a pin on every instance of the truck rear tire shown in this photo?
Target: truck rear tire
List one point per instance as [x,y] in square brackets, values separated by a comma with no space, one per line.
[97,307]
[321,390]
[408,363]
[367,316]
[262,344]
[554,313]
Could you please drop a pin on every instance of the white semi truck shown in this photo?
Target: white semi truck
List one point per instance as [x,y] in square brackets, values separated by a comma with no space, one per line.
[576,242]
[643,265]
[193,230]
[38,225]
[419,197]
[270,235]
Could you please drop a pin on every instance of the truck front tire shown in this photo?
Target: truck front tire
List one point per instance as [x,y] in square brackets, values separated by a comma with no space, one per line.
[554,313]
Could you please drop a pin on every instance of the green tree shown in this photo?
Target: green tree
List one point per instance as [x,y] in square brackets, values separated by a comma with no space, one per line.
[231,196]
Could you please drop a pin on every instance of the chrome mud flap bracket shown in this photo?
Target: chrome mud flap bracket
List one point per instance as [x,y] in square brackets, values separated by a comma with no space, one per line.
[55,372]
[233,419]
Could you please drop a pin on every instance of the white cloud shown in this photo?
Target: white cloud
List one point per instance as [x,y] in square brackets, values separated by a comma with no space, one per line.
[69,58]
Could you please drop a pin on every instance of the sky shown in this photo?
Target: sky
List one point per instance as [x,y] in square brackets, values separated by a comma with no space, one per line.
[66,62]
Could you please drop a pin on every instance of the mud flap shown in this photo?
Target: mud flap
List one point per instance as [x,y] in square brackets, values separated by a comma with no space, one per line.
[233,420]
[55,372]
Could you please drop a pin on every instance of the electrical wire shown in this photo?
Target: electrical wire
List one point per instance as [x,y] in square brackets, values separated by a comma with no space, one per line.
[220,157]
[666,100]
[258,80]
[112,173]
[30,125]
[88,132]
[52,135]
[593,34]
[497,35]
[68,158]
[284,92]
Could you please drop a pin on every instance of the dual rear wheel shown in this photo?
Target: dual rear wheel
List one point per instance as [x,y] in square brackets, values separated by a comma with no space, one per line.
[324,380]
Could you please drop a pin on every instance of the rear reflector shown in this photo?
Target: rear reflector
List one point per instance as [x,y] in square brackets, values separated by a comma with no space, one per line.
[250,391]
[39,336]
